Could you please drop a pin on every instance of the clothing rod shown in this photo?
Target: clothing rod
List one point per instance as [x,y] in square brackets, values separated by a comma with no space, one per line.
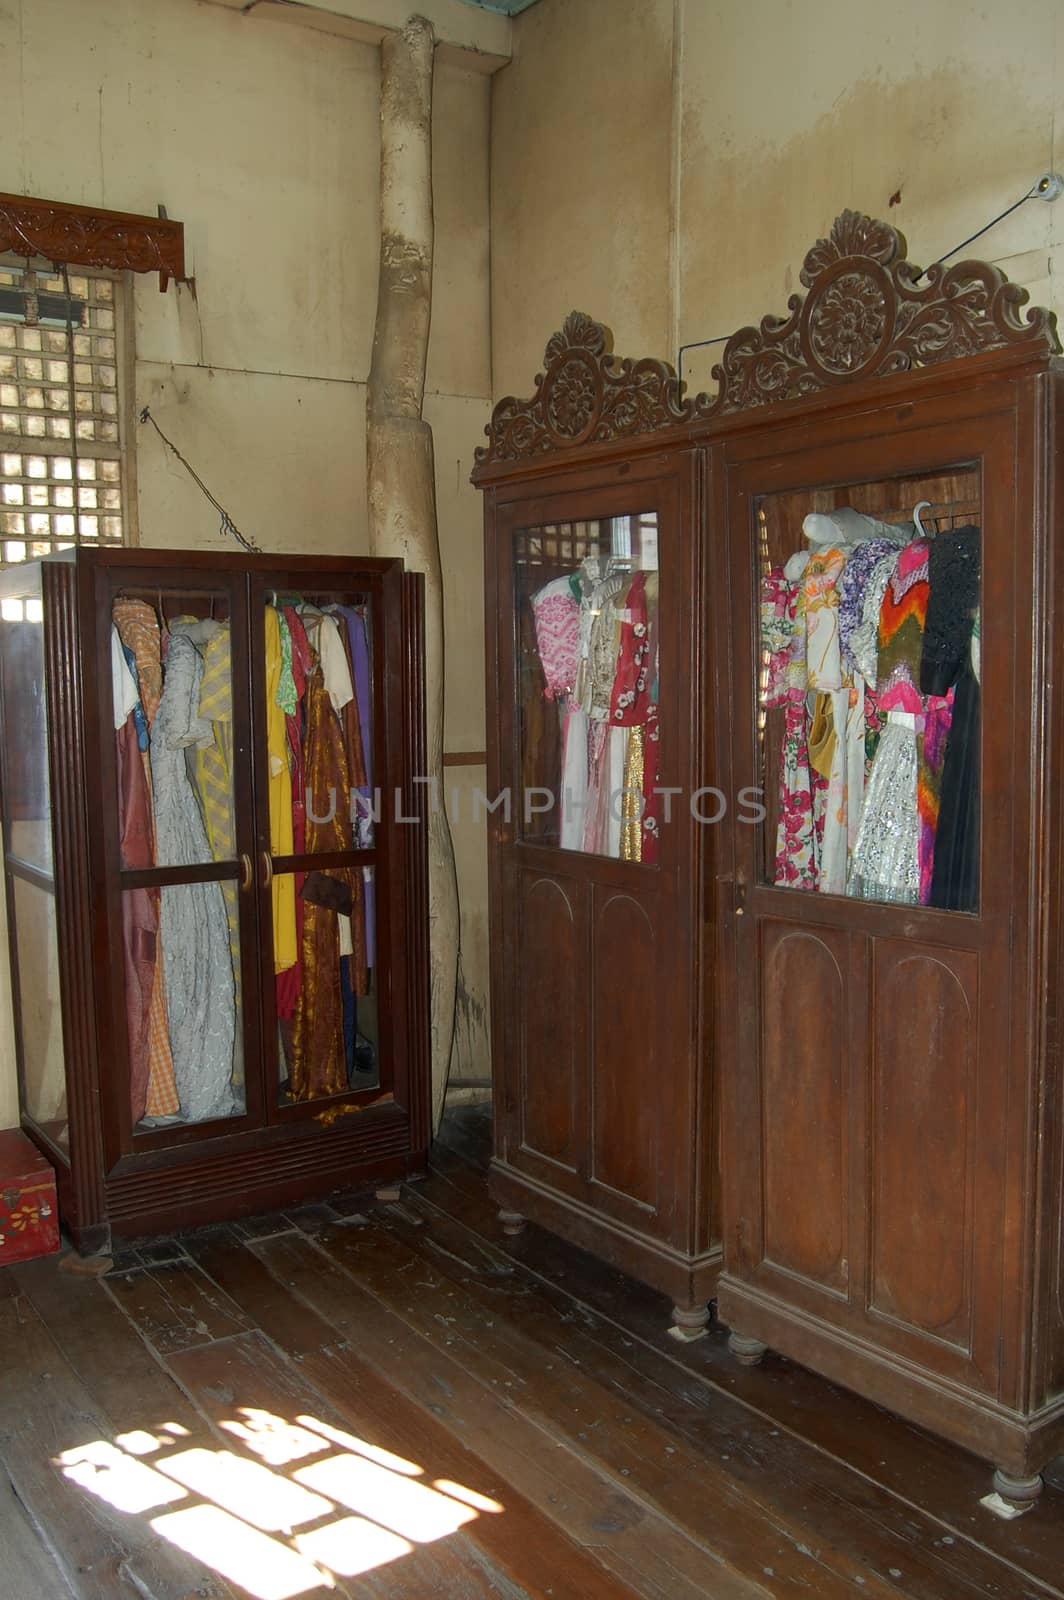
[941,508]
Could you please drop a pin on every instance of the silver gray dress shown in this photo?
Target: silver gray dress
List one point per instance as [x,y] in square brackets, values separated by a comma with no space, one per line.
[193,929]
[885,863]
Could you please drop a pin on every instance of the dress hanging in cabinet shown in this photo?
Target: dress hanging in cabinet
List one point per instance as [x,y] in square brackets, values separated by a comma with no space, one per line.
[867,650]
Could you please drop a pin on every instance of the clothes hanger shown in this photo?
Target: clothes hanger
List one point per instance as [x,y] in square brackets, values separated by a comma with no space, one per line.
[922,532]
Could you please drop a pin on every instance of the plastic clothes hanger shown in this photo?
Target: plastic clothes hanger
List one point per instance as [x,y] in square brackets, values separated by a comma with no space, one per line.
[922,532]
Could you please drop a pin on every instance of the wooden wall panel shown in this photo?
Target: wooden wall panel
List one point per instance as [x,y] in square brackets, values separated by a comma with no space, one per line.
[923,1118]
[550,961]
[624,1049]
[805,1102]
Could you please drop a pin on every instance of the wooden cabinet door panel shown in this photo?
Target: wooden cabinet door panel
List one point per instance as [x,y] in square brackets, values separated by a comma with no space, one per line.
[935,1202]
[922,1135]
[805,1103]
[624,1055]
[549,940]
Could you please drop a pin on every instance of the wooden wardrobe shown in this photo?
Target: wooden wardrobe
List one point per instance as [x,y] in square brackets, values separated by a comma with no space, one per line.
[886,1063]
[605,1115]
[176,1065]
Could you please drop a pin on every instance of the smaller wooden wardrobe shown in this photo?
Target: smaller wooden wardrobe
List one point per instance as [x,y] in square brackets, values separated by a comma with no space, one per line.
[864,973]
[602,946]
[216,879]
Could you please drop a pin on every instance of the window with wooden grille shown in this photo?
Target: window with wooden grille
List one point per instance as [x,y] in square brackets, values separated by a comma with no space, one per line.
[64,478]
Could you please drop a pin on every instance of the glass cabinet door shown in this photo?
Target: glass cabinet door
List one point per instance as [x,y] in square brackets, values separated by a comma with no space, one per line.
[868,713]
[32,919]
[319,749]
[587,641]
[180,774]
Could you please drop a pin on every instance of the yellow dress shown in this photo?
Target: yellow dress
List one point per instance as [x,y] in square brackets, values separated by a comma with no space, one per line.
[285,949]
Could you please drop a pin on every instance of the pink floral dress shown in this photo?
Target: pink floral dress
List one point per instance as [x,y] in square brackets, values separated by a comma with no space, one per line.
[783,640]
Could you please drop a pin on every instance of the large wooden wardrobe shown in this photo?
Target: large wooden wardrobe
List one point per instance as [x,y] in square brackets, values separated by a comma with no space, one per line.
[216,882]
[864,1010]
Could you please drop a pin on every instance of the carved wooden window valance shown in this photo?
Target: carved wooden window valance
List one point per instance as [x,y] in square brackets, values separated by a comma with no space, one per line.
[869,312]
[85,236]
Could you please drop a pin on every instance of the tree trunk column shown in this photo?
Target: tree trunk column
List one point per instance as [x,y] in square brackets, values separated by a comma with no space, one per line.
[399,456]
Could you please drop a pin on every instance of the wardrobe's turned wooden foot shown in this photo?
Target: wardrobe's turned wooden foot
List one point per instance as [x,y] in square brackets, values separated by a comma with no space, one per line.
[1021,1492]
[689,1323]
[747,1352]
[513,1223]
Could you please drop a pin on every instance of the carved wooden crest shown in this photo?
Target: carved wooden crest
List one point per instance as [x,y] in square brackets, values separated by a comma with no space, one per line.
[586,393]
[85,237]
[869,312]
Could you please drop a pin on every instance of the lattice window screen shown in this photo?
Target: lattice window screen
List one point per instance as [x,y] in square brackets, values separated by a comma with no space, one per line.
[51,497]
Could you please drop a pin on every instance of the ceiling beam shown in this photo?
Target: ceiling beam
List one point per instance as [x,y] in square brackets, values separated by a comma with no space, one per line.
[466,34]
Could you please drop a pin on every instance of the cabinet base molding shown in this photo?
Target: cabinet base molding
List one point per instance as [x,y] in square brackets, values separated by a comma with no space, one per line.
[268,1177]
[689,1281]
[1019,1445]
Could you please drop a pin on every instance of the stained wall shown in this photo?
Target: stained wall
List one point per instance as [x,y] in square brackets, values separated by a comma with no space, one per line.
[665,164]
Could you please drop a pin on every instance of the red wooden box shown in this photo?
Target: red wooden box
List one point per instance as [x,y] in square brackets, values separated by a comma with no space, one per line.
[29,1216]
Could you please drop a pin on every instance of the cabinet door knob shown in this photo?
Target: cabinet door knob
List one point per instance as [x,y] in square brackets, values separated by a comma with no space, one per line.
[267,869]
[246,872]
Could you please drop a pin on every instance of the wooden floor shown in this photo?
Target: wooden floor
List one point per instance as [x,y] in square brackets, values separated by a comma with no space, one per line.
[391,1399]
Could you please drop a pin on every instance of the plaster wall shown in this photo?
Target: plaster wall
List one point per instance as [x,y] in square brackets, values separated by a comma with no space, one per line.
[665,164]
[264,141]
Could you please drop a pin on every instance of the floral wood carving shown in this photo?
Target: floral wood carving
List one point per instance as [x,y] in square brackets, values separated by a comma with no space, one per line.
[869,312]
[85,237]
[586,394]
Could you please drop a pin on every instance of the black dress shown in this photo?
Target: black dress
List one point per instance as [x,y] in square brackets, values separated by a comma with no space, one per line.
[952,602]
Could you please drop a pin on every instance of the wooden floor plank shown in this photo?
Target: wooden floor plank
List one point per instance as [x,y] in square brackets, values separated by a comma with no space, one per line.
[373,1352]
[474,1559]
[246,1374]
[102,1345]
[924,1473]
[104,1553]
[175,1307]
[698,1494]
[27,1569]
[837,1508]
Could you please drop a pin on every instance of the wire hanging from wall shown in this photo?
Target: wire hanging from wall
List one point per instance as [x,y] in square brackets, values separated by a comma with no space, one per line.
[1048,187]
[226,525]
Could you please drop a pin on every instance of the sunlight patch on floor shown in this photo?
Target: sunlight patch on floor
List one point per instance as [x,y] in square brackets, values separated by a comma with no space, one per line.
[272,1439]
[408,1508]
[278,1534]
[263,1498]
[360,1447]
[264,1567]
[121,1480]
[352,1546]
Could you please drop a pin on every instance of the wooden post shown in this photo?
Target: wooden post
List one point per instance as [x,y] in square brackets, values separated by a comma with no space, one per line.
[399,455]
